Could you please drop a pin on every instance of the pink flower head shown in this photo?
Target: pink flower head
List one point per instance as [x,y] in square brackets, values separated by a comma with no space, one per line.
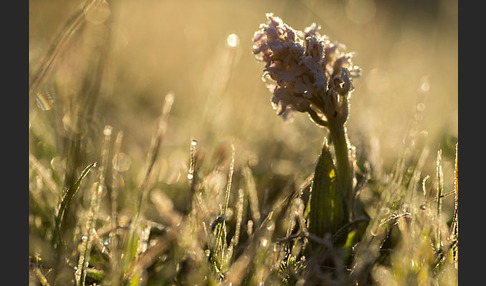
[308,70]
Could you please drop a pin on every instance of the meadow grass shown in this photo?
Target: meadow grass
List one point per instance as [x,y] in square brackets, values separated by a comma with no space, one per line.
[98,216]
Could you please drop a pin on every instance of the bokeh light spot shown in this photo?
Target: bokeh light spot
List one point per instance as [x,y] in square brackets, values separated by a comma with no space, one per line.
[377,80]
[361,11]
[98,13]
[121,162]
[233,40]
[44,101]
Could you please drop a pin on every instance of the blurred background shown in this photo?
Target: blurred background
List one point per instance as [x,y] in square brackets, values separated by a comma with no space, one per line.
[201,51]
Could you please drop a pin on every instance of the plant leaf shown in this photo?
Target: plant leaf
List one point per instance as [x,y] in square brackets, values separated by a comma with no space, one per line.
[66,199]
[327,213]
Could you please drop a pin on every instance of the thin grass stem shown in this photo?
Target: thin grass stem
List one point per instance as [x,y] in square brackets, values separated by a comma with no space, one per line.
[87,240]
[154,151]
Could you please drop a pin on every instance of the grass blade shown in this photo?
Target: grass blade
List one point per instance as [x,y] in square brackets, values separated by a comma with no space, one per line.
[219,253]
[154,149]
[42,279]
[230,178]
[252,193]
[455,220]
[71,25]
[131,246]
[97,189]
[69,194]
[43,172]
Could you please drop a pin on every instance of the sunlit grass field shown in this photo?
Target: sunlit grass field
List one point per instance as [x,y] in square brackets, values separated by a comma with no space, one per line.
[156,158]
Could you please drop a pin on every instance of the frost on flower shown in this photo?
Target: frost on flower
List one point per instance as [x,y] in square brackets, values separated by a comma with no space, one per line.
[309,73]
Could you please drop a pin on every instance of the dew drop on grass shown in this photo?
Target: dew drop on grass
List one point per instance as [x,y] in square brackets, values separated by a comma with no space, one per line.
[414,265]
[264,242]
[271,226]
[58,164]
[106,242]
[373,232]
[107,130]
[229,213]
[252,160]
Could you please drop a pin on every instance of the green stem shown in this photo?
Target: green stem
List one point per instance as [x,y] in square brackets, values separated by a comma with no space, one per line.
[343,163]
